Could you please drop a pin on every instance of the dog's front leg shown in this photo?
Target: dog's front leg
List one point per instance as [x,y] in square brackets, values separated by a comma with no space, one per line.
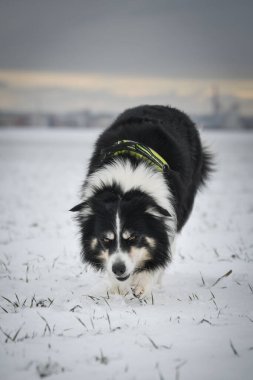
[143,282]
[116,287]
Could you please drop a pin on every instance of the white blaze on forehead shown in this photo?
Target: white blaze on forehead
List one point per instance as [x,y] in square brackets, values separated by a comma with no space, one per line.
[117,223]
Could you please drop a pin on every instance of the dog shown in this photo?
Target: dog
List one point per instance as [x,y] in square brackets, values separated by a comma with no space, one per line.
[138,194]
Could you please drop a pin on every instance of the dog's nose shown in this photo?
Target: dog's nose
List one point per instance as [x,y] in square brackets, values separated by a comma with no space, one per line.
[119,268]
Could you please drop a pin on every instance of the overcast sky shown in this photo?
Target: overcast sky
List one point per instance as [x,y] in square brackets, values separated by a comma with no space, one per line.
[175,40]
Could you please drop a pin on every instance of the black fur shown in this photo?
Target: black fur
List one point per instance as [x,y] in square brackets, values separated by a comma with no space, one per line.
[174,136]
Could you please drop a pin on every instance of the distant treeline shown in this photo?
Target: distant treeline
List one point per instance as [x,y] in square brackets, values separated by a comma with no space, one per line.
[82,119]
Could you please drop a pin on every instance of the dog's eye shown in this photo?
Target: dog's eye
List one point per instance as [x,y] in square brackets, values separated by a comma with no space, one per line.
[128,236]
[107,237]
[132,237]
[107,240]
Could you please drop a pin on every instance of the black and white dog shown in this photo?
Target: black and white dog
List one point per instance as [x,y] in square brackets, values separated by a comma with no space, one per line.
[138,194]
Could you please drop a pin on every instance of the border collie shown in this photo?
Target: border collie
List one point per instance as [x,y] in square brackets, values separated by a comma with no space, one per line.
[138,194]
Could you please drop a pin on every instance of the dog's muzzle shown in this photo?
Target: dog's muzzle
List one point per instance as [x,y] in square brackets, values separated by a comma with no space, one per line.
[119,269]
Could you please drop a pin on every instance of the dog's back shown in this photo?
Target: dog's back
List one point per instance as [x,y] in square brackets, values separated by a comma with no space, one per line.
[174,136]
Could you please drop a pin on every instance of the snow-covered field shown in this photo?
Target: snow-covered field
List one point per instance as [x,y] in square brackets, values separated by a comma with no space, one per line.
[52,325]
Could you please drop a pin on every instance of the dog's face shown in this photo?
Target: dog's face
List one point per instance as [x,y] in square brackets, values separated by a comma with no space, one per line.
[122,232]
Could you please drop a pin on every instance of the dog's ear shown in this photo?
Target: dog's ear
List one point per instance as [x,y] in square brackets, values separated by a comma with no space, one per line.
[78,207]
[158,211]
[163,211]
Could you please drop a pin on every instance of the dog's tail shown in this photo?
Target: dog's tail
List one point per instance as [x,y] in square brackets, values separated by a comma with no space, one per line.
[208,165]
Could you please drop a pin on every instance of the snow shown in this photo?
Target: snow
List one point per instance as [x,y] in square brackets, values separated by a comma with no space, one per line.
[56,320]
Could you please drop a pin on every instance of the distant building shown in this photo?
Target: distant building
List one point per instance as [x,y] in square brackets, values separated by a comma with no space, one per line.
[222,117]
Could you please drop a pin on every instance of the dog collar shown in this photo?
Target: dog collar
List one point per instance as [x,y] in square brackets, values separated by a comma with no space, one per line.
[137,150]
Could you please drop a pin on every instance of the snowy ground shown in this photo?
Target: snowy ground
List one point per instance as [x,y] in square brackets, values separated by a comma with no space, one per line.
[50,325]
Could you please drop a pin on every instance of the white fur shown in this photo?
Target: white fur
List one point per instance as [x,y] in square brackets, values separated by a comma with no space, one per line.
[109,235]
[122,257]
[139,284]
[143,282]
[86,212]
[118,230]
[126,235]
[94,243]
[144,177]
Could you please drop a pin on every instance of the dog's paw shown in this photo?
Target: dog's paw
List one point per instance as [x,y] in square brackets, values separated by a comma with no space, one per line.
[140,292]
[137,291]
[142,284]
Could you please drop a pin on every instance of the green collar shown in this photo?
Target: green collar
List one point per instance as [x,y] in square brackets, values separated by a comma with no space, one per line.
[137,150]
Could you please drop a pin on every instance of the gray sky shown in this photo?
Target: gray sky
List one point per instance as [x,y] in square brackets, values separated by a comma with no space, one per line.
[194,39]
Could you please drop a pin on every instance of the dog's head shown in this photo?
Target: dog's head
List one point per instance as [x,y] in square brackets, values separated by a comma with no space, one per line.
[123,233]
